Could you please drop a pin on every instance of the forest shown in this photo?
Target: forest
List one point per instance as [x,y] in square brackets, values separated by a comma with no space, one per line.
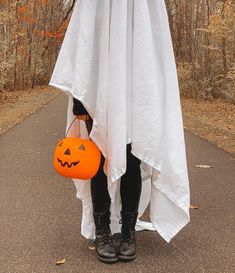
[203,33]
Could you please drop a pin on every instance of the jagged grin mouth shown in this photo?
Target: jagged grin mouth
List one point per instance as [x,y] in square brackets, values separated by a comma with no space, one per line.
[67,164]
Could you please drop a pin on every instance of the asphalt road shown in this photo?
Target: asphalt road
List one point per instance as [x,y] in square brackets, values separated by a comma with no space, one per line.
[40,215]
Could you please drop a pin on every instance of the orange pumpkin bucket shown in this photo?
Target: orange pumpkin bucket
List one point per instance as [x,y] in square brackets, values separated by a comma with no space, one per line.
[76,157]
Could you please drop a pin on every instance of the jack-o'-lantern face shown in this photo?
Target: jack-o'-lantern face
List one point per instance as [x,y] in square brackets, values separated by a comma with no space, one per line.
[77,158]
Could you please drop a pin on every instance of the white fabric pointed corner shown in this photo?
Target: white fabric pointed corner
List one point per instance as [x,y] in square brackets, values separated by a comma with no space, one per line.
[117,59]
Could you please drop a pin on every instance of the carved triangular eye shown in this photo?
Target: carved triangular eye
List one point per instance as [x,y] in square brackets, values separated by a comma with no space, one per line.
[67,152]
[60,145]
[82,147]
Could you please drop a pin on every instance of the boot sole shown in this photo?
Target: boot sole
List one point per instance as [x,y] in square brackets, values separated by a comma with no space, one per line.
[107,260]
[126,258]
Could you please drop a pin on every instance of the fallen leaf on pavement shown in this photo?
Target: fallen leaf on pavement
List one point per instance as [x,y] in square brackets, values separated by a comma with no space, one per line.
[203,166]
[193,206]
[60,262]
[91,247]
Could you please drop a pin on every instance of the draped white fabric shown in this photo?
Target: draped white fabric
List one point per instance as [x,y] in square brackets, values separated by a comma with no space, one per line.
[117,59]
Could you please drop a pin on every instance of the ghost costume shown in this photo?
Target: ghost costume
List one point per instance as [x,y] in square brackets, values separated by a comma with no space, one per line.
[117,59]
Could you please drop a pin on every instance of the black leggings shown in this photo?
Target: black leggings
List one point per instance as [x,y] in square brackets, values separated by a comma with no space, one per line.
[130,188]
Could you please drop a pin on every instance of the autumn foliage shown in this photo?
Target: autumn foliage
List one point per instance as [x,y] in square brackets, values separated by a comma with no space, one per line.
[203,32]
[31,33]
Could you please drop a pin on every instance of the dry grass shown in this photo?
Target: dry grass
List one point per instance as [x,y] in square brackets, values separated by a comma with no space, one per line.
[213,120]
[17,105]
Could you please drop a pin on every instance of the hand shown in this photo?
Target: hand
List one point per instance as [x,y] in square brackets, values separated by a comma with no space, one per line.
[82,117]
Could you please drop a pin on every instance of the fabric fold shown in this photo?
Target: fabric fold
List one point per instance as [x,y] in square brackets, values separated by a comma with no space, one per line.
[117,58]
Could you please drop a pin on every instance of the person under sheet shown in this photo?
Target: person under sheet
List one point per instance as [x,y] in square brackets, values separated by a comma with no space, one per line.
[117,62]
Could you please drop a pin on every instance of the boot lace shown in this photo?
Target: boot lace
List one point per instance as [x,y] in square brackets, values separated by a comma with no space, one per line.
[128,227]
[105,233]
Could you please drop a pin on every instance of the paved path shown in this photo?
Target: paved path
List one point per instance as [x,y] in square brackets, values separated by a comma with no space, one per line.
[40,216]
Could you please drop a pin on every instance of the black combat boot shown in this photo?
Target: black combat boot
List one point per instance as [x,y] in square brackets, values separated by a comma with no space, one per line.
[127,248]
[104,244]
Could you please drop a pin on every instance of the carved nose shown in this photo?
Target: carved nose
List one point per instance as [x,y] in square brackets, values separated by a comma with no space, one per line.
[67,152]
